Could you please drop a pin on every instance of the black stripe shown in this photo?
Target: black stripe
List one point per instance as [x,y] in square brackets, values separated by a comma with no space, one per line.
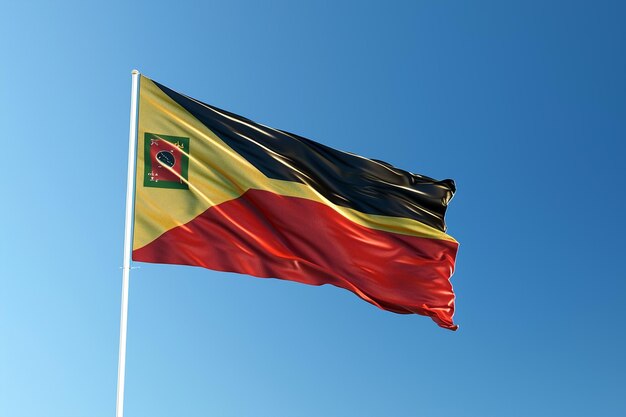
[348,180]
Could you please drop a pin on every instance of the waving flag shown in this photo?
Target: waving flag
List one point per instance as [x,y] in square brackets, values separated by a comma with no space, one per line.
[222,192]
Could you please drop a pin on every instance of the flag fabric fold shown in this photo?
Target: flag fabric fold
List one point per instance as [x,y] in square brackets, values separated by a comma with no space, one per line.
[219,191]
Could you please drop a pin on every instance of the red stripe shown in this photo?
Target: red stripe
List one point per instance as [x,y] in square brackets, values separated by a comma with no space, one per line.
[268,235]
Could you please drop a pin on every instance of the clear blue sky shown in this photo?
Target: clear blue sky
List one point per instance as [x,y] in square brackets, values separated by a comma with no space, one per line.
[523,103]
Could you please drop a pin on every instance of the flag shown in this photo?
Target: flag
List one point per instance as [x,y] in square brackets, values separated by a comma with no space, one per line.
[216,190]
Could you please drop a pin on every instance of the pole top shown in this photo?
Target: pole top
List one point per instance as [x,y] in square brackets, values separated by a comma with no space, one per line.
[134,72]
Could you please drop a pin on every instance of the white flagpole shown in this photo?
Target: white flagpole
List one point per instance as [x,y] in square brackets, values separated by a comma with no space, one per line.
[130,189]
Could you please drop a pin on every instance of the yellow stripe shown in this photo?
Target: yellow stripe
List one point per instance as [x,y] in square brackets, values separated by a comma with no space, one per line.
[374,221]
[218,174]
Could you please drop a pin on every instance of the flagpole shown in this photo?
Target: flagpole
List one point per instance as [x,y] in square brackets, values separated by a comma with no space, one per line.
[130,188]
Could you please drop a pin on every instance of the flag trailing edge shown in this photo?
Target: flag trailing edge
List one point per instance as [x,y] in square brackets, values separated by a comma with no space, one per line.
[216,190]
